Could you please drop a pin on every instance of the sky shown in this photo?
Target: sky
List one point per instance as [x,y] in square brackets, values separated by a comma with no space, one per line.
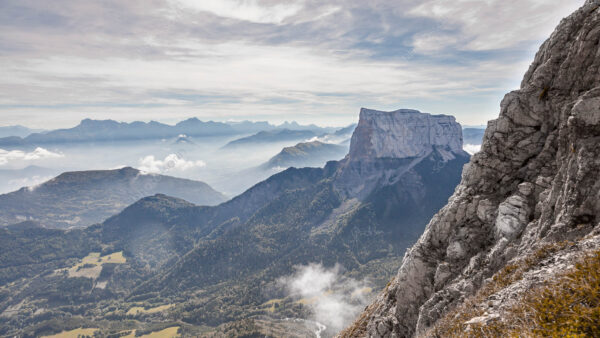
[312,61]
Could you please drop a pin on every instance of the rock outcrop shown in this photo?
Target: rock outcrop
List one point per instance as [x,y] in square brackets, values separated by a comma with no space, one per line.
[386,147]
[535,182]
[403,133]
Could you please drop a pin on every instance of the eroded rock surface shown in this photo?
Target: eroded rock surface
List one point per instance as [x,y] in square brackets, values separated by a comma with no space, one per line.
[403,133]
[536,181]
[386,147]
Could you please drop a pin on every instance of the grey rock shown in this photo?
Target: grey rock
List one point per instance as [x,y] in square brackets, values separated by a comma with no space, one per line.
[547,133]
[512,217]
[403,133]
[387,146]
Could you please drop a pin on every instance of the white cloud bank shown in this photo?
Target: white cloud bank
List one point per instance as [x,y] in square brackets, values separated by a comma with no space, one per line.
[334,299]
[171,162]
[10,156]
[472,148]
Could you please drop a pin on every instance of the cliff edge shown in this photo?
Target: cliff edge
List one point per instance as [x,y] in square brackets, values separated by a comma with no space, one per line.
[403,133]
[528,202]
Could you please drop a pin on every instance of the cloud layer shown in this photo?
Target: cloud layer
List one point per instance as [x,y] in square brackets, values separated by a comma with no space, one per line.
[19,156]
[472,148]
[335,300]
[306,60]
[172,162]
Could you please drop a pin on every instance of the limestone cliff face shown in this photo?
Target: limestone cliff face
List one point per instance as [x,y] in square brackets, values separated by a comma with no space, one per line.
[535,181]
[403,133]
[387,146]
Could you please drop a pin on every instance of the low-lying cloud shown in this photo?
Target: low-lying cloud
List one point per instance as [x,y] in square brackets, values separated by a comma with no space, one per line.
[9,156]
[334,299]
[472,148]
[172,162]
[30,182]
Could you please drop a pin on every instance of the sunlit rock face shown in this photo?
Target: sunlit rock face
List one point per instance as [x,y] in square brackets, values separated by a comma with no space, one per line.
[392,147]
[403,133]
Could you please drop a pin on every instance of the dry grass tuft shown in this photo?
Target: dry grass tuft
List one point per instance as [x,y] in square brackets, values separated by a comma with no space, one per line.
[513,323]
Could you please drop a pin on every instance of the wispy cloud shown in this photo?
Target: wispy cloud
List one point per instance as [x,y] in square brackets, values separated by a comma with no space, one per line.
[264,59]
[246,10]
[334,299]
[493,24]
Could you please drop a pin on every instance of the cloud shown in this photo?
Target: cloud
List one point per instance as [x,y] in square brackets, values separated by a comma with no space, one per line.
[307,60]
[429,43]
[491,24]
[247,10]
[334,299]
[30,182]
[9,156]
[472,148]
[172,162]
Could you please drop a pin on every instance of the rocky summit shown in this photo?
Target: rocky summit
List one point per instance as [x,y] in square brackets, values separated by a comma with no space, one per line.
[386,147]
[524,216]
[403,133]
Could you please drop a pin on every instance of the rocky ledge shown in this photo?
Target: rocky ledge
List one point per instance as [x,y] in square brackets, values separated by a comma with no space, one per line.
[535,184]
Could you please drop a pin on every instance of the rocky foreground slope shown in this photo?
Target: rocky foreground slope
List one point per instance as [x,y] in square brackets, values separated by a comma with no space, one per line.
[526,211]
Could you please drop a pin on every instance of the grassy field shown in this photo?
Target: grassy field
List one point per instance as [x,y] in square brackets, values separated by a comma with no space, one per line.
[91,265]
[270,305]
[170,332]
[137,310]
[130,335]
[74,333]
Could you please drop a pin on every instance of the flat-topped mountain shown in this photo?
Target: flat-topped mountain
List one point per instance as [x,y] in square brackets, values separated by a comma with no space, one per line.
[81,198]
[386,146]
[403,133]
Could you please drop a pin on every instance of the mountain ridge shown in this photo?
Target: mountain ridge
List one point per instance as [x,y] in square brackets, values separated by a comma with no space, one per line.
[306,154]
[89,130]
[99,194]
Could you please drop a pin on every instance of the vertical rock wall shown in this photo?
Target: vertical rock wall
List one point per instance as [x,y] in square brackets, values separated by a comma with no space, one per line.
[535,181]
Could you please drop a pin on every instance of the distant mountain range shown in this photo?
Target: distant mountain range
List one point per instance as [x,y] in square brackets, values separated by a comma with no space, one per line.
[272,136]
[13,179]
[32,170]
[473,135]
[306,154]
[18,131]
[213,265]
[108,130]
[82,198]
